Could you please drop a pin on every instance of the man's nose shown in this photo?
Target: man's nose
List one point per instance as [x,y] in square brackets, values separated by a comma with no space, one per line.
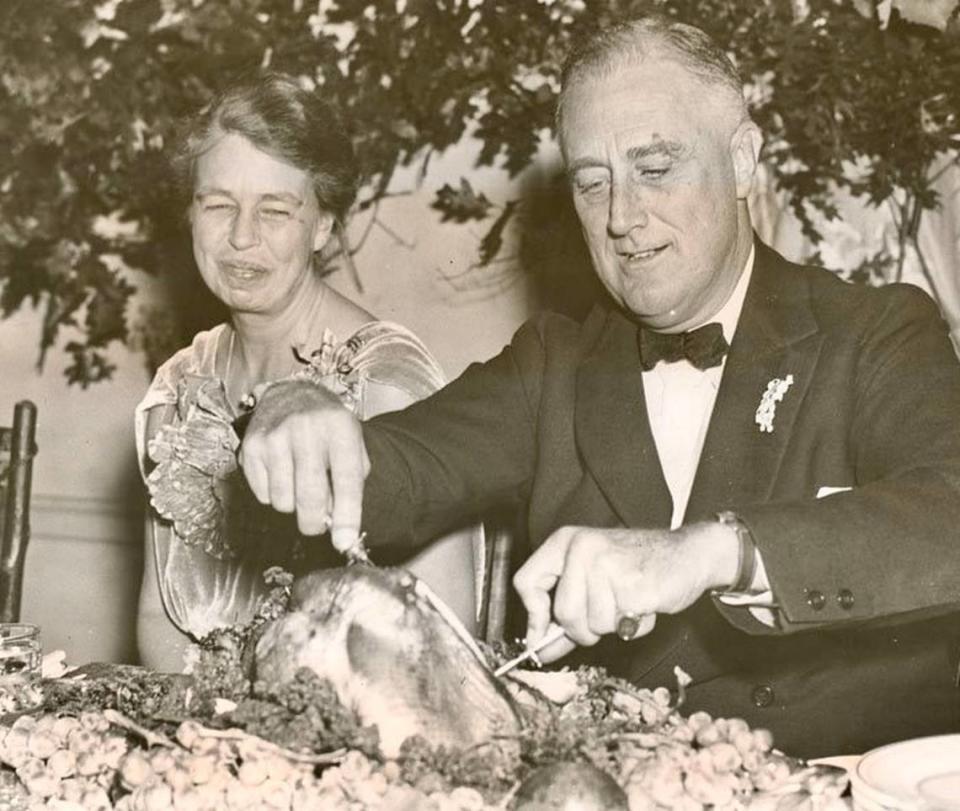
[245,230]
[628,209]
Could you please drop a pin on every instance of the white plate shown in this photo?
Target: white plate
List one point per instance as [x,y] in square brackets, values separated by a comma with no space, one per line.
[910,775]
[942,792]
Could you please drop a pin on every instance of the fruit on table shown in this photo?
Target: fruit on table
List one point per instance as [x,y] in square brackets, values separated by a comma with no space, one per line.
[570,787]
[72,759]
[588,740]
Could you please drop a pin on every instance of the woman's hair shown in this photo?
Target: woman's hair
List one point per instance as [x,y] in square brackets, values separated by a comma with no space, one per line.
[603,50]
[278,116]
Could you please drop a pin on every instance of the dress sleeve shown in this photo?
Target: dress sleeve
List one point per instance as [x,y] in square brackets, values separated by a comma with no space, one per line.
[162,392]
[199,592]
[390,355]
[195,359]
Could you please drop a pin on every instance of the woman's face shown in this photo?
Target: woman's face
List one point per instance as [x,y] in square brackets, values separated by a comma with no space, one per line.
[256,225]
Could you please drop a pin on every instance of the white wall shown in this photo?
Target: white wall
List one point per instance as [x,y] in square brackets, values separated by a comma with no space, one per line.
[427,283]
[83,559]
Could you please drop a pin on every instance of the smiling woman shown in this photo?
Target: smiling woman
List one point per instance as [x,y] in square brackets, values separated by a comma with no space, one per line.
[269,176]
[256,225]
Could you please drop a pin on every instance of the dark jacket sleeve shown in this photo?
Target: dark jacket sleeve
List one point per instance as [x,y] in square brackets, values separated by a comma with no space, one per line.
[889,547]
[448,459]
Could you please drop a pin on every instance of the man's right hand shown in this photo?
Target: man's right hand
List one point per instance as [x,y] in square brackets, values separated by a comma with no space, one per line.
[303,452]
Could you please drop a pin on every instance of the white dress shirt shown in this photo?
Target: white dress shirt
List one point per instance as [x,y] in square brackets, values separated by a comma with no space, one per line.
[680,400]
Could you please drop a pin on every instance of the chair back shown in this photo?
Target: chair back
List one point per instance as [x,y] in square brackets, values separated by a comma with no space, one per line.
[17,449]
[500,608]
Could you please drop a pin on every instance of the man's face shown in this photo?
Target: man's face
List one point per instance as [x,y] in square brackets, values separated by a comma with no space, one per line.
[657,165]
[256,225]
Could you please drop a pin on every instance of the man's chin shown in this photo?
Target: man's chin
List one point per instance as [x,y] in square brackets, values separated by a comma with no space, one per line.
[656,318]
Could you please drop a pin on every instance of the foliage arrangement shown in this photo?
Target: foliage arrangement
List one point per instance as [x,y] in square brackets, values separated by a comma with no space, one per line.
[853,94]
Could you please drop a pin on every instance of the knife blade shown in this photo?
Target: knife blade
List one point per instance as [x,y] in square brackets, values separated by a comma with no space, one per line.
[554,632]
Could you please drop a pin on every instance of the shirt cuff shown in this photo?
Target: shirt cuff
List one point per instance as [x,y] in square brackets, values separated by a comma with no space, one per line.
[760,604]
[748,598]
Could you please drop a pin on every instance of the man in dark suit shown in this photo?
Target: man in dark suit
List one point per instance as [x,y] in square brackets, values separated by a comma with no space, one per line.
[780,520]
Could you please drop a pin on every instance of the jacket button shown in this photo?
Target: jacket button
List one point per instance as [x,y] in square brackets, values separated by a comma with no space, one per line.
[845,598]
[762,695]
[815,599]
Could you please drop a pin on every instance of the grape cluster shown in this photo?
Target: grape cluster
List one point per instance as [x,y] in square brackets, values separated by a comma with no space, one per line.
[210,772]
[689,763]
[68,763]
[360,784]
[65,759]
[69,758]
[664,760]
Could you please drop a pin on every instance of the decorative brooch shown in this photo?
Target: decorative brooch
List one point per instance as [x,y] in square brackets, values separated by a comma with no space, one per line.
[331,366]
[767,409]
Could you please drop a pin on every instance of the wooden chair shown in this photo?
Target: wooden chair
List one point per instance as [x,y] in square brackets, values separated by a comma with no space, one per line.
[498,599]
[17,449]
[496,584]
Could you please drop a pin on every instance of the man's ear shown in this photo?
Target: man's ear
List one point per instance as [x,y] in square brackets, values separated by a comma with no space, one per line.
[324,227]
[745,144]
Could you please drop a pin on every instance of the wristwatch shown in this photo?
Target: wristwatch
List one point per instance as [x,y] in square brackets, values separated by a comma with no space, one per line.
[747,556]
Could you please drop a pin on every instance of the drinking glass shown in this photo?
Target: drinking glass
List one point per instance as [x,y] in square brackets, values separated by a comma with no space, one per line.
[20,658]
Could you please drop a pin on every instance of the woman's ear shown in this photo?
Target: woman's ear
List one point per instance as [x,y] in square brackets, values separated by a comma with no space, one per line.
[745,144]
[322,230]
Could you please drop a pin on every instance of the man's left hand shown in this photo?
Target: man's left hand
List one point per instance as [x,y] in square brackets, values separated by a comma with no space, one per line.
[600,576]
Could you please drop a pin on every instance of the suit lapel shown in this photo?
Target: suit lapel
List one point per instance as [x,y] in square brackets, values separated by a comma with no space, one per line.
[776,336]
[613,432]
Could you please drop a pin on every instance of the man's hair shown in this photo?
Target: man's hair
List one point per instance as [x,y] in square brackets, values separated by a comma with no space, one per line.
[603,50]
[278,116]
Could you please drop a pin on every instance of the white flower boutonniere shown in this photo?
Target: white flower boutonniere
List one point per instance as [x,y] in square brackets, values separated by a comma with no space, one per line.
[767,409]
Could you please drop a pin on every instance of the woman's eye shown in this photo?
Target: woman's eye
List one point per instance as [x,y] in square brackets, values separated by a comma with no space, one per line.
[591,187]
[275,213]
[217,207]
[654,172]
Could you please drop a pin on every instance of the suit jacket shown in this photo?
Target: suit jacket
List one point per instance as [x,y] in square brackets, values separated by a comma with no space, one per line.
[867,580]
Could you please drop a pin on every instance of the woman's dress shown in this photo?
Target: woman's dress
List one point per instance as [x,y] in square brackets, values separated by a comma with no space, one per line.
[212,539]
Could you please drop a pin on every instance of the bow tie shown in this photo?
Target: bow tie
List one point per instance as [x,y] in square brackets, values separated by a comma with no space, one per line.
[704,347]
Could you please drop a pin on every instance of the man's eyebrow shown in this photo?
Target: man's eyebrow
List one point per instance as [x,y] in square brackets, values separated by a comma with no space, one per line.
[670,149]
[282,197]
